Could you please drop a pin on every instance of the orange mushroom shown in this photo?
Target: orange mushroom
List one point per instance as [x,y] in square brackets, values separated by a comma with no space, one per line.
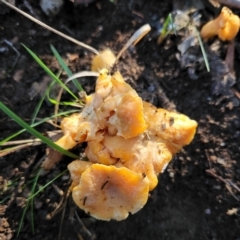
[149,152]
[129,143]
[176,129]
[108,192]
[105,59]
[226,26]
[98,153]
[114,106]
[76,168]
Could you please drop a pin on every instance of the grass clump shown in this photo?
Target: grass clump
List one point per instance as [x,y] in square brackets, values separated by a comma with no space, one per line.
[35,190]
[174,23]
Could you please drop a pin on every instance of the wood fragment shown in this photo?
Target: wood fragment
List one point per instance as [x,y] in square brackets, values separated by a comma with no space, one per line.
[232,211]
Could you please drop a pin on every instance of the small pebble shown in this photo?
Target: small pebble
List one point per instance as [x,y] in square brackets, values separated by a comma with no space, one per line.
[65,177]
[208,211]
[3,49]
[222,144]
[38,205]
[221,161]
[236,135]
[20,201]
[51,7]
[213,158]
[237,124]
[151,88]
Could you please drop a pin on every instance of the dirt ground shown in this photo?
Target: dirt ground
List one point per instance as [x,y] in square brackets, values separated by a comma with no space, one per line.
[197,196]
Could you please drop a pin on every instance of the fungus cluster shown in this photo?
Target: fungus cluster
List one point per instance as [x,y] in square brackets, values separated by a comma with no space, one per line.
[225,26]
[129,143]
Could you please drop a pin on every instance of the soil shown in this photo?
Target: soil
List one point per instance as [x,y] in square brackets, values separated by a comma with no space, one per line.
[197,196]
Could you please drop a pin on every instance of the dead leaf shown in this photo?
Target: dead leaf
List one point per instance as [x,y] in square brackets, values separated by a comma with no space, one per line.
[232,211]
[18,75]
[72,56]
[52,158]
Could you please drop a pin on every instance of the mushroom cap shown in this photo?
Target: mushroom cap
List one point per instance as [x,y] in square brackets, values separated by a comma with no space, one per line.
[121,148]
[148,153]
[209,30]
[129,143]
[230,28]
[148,156]
[66,142]
[98,153]
[69,126]
[108,192]
[105,59]
[226,26]
[76,168]
[128,118]
[176,129]
[115,107]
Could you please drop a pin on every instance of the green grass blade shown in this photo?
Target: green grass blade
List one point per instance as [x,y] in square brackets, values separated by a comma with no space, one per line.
[37,109]
[5,199]
[65,67]
[165,29]
[35,132]
[22,218]
[32,200]
[36,124]
[49,72]
[31,214]
[34,194]
[202,49]
[171,24]
[53,101]
[46,185]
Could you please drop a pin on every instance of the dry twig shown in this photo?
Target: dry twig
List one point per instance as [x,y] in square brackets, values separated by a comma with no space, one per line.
[230,3]
[228,183]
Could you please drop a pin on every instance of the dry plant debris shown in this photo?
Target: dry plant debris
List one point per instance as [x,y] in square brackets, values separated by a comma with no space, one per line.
[84,2]
[129,143]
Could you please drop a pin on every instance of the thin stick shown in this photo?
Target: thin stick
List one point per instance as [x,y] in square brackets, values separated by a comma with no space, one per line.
[19,147]
[63,207]
[136,37]
[230,3]
[15,50]
[10,143]
[227,182]
[82,225]
[32,141]
[52,29]
[82,74]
